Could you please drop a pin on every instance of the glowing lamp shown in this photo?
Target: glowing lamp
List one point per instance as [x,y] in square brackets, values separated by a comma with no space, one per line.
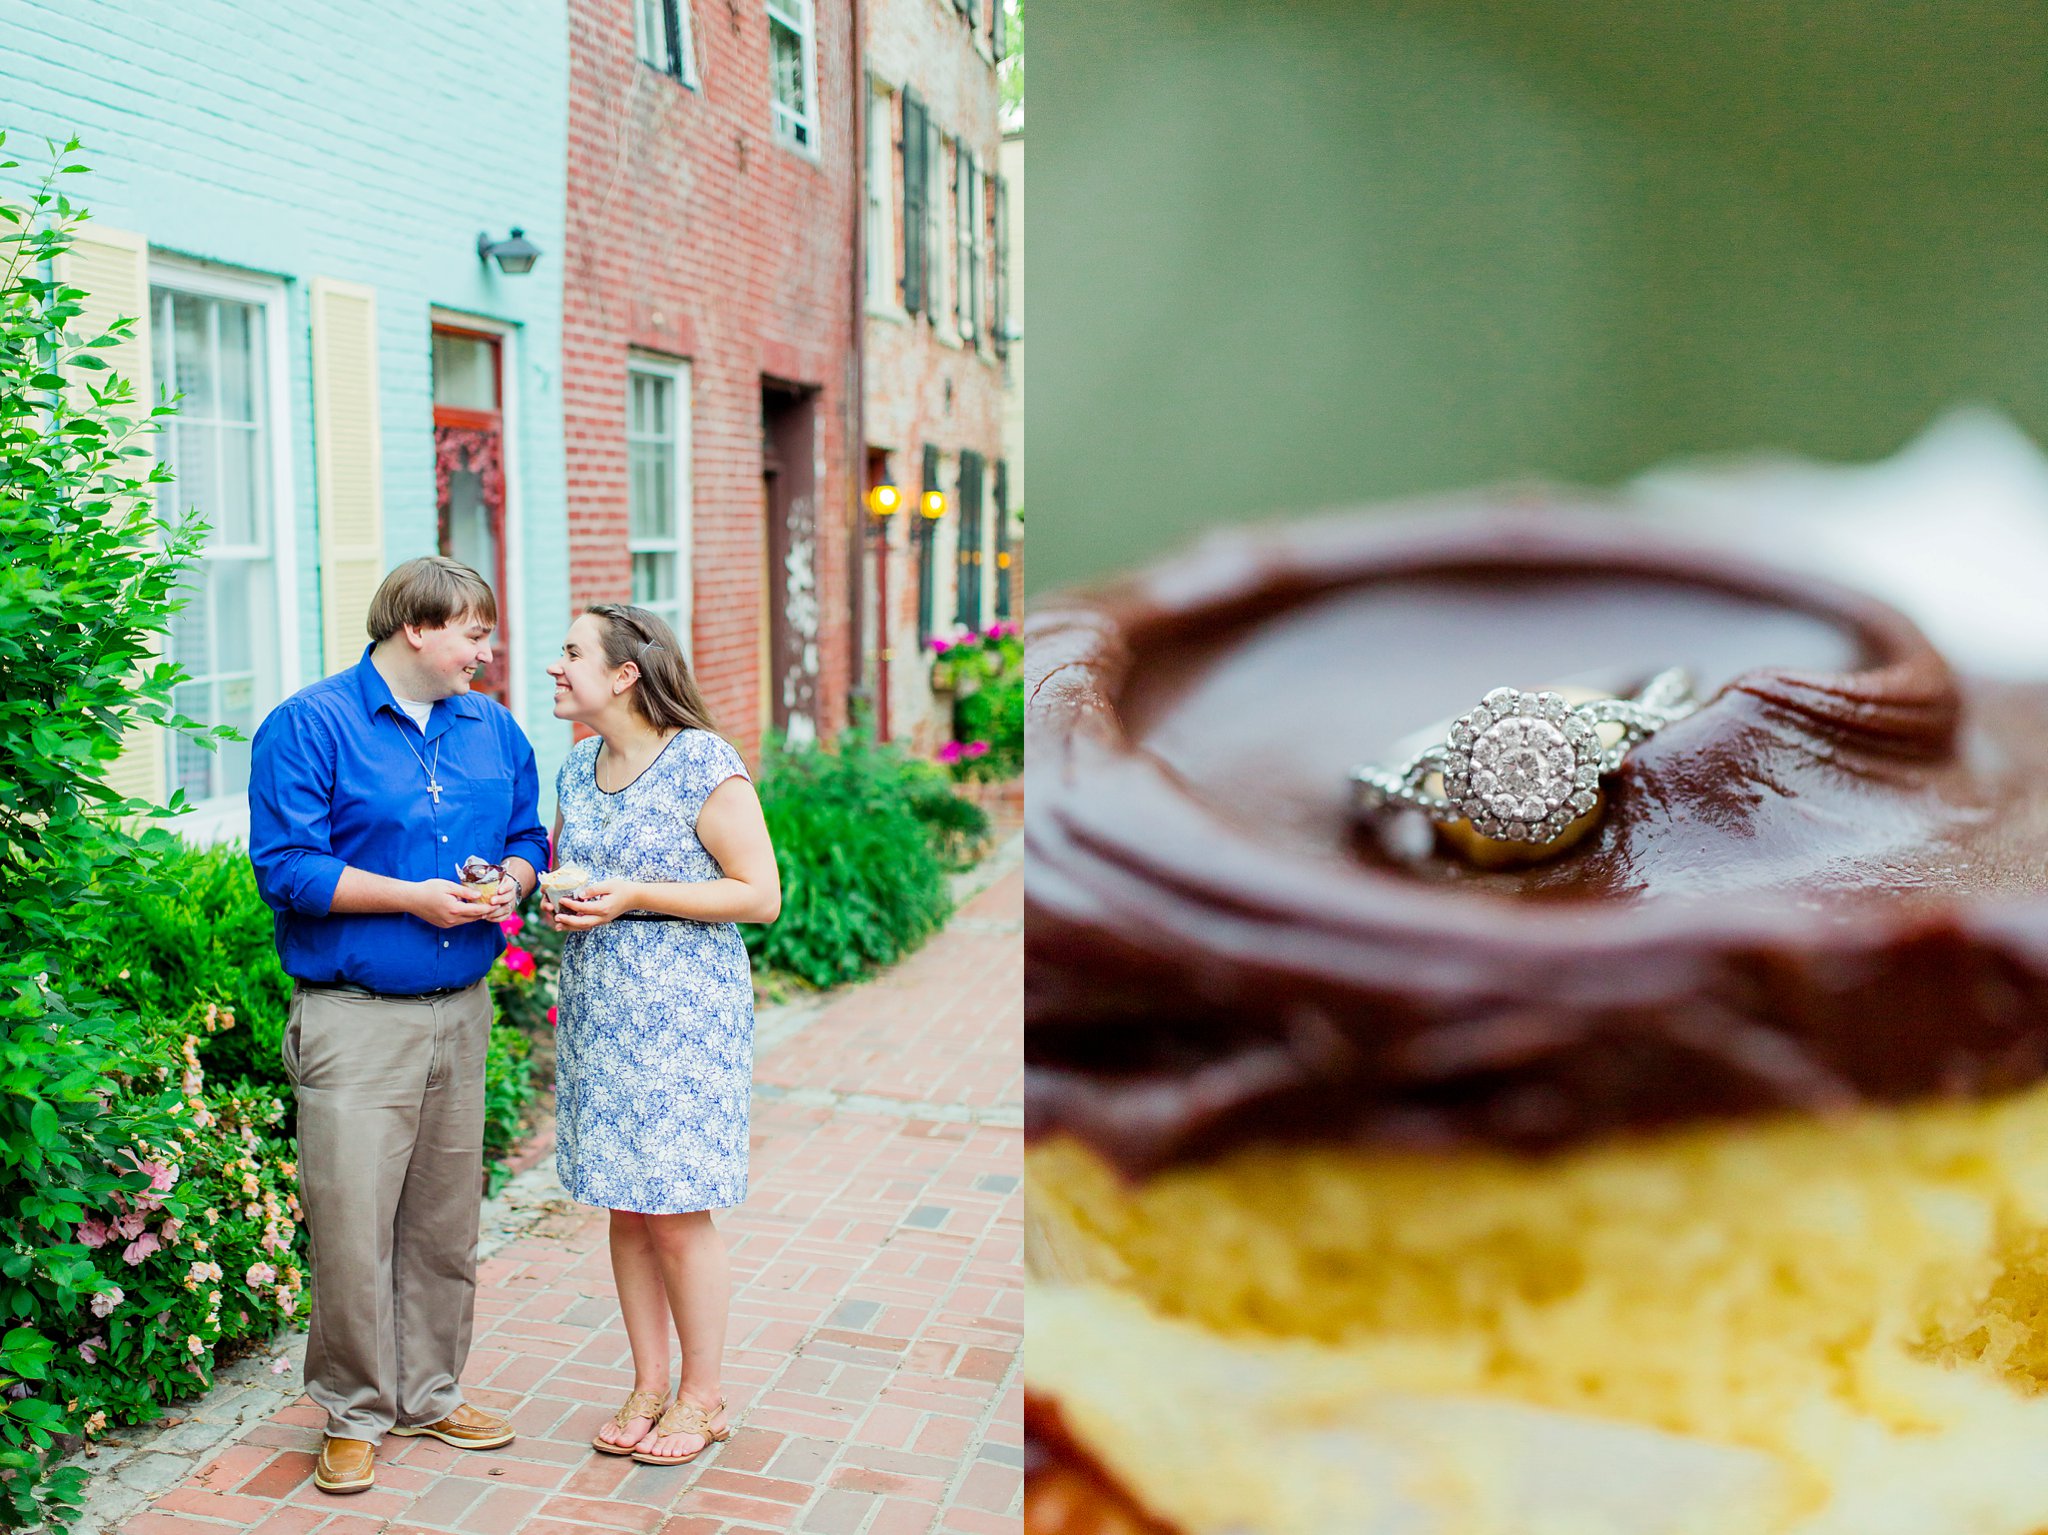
[933,505]
[885,501]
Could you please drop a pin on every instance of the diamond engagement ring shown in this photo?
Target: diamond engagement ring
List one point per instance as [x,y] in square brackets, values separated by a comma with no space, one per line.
[1524,767]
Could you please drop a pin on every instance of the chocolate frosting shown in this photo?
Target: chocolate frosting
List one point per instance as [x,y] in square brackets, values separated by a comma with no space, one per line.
[1824,888]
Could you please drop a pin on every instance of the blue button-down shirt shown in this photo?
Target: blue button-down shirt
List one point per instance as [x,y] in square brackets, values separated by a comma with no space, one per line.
[334,782]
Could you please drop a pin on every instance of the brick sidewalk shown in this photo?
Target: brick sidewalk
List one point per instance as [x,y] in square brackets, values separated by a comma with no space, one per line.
[877,1309]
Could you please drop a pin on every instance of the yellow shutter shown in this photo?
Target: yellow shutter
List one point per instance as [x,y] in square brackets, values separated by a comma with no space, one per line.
[351,474]
[112,267]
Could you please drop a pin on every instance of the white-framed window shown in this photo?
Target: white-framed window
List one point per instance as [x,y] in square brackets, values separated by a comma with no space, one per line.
[658,488]
[792,62]
[661,36]
[885,292]
[217,339]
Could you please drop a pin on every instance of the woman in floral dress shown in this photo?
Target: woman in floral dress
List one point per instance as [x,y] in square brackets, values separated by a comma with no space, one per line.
[654,1050]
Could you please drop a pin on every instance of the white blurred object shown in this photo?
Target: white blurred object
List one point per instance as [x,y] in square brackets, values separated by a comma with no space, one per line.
[1953,531]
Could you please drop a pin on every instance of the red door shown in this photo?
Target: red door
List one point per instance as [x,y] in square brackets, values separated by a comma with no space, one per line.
[469,473]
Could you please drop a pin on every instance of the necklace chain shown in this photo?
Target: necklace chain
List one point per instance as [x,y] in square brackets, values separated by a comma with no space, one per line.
[433,773]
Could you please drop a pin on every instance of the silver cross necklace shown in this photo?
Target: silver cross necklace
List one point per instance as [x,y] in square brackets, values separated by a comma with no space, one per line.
[433,773]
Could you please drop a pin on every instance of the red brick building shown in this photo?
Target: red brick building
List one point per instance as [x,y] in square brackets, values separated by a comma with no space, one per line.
[710,348]
[938,321]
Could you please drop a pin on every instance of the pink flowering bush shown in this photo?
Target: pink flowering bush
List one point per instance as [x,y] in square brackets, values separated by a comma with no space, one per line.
[988,705]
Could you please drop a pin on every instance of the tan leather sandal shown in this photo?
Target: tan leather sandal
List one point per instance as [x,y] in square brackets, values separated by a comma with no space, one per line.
[641,1404]
[685,1418]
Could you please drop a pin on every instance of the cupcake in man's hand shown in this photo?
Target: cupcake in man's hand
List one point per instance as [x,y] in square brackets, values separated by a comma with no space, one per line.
[481,878]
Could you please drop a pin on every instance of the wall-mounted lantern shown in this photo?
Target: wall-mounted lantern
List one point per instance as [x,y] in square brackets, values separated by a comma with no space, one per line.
[933,505]
[885,501]
[514,254]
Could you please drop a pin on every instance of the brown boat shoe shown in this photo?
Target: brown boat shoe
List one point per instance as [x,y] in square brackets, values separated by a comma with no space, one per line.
[467,1428]
[345,1465]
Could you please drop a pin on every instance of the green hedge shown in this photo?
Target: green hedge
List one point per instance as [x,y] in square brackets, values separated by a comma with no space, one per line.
[865,836]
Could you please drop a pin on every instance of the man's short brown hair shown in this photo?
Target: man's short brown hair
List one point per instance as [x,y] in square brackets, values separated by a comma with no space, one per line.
[427,593]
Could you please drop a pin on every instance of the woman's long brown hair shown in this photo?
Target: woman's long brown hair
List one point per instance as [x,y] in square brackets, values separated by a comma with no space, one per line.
[666,695]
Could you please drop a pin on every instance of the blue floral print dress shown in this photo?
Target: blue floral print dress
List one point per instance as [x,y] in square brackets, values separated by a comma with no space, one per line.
[654,1042]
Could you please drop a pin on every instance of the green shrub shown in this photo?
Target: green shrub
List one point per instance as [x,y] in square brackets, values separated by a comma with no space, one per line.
[207,938]
[863,848]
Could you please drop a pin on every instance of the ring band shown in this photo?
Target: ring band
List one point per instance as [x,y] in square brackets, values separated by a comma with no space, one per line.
[1522,767]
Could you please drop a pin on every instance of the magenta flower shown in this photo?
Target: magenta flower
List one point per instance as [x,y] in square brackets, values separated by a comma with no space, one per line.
[950,752]
[140,1248]
[511,926]
[976,749]
[551,1017]
[939,646]
[93,1232]
[518,961]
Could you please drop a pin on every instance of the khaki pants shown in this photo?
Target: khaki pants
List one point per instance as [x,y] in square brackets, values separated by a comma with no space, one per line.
[391,1126]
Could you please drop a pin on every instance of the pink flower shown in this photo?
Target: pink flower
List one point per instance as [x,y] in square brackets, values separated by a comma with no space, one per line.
[950,752]
[93,1232]
[939,646]
[273,1241]
[169,1231]
[281,1367]
[106,1300]
[260,1274]
[90,1349]
[518,961]
[511,926]
[976,749]
[140,1248]
[551,1017]
[131,1225]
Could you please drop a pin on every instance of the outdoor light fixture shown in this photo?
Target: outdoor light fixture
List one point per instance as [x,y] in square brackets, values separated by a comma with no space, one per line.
[515,254]
[933,505]
[885,500]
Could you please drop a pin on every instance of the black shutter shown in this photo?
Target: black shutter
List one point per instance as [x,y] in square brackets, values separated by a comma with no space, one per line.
[927,554]
[914,276]
[1002,538]
[967,578]
[672,19]
[999,261]
[963,240]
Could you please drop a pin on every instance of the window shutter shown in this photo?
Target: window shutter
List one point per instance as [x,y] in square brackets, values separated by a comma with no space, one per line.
[934,211]
[999,322]
[672,23]
[968,564]
[913,202]
[1002,495]
[927,555]
[350,464]
[112,267]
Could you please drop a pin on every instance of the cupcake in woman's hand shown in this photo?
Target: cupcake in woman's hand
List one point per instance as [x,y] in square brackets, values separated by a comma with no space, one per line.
[569,880]
[1686,1178]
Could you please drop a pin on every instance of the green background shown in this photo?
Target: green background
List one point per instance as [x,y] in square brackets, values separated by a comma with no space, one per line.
[1290,255]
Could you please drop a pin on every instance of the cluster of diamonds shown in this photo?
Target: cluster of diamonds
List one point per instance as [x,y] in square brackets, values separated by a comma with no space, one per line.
[1521,767]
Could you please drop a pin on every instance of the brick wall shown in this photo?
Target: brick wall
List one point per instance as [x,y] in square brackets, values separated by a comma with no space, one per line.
[695,233]
[919,390]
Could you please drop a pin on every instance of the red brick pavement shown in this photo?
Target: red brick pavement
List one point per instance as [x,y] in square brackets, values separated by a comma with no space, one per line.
[877,1314]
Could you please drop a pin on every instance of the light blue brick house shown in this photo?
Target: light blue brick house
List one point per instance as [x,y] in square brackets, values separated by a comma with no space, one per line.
[293,196]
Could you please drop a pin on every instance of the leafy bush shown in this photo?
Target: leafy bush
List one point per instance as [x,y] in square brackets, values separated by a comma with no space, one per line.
[864,846]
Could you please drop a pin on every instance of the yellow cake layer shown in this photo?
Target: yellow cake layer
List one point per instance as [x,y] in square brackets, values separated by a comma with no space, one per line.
[1808,1289]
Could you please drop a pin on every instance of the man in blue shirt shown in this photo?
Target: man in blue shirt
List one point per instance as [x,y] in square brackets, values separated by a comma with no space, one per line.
[367,792]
